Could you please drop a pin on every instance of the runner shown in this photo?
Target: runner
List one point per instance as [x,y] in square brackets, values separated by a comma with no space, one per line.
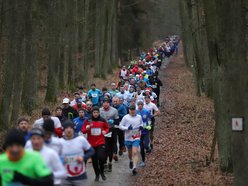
[113,91]
[22,125]
[79,121]
[79,104]
[155,112]
[122,111]
[50,140]
[145,133]
[122,94]
[46,114]
[95,128]
[49,155]
[21,167]
[130,95]
[123,73]
[94,94]
[110,114]
[59,114]
[156,83]
[88,111]
[68,111]
[76,96]
[75,151]
[132,125]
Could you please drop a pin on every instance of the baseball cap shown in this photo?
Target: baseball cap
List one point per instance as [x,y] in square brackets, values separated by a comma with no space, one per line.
[66,100]
[37,131]
[79,100]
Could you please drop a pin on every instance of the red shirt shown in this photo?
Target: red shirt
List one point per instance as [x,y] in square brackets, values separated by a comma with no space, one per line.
[95,136]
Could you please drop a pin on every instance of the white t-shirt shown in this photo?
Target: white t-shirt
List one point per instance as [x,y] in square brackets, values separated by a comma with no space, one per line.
[52,160]
[71,149]
[39,122]
[136,122]
[151,107]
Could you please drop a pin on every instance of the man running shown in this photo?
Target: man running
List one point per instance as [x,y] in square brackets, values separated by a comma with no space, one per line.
[155,112]
[88,110]
[21,167]
[110,114]
[94,94]
[49,155]
[122,111]
[145,133]
[95,128]
[132,125]
[68,111]
[113,91]
[75,151]
[46,114]
[79,121]
[22,125]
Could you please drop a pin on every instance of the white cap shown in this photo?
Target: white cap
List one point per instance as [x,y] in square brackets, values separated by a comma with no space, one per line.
[66,100]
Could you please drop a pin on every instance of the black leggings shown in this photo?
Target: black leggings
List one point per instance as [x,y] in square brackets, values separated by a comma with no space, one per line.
[98,159]
[120,137]
[144,144]
[152,129]
[111,144]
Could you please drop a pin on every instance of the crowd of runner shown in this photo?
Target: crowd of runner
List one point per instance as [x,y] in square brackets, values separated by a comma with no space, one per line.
[95,126]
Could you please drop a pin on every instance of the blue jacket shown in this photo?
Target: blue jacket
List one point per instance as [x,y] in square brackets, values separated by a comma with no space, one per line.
[79,123]
[122,111]
[146,116]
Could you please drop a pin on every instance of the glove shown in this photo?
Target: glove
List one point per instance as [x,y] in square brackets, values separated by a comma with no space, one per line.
[130,127]
[110,122]
[148,127]
[140,128]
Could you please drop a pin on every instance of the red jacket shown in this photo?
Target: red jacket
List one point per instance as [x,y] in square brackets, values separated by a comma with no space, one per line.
[95,136]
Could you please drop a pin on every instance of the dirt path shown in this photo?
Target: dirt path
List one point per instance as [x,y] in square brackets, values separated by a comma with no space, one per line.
[120,176]
[183,134]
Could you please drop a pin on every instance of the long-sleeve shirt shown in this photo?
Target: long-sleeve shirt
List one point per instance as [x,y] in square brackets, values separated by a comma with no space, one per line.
[136,122]
[94,133]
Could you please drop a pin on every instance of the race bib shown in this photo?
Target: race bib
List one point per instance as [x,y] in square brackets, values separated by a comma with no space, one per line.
[96,131]
[73,168]
[94,95]
[135,134]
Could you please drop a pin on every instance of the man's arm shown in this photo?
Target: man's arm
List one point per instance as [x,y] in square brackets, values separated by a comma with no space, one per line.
[41,181]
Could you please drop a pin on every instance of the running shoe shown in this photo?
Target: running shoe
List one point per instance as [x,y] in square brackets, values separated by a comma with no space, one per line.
[103,176]
[115,157]
[142,164]
[131,165]
[110,167]
[134,171]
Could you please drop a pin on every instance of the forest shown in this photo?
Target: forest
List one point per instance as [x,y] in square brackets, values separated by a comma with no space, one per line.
[215,36]
[52,45]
